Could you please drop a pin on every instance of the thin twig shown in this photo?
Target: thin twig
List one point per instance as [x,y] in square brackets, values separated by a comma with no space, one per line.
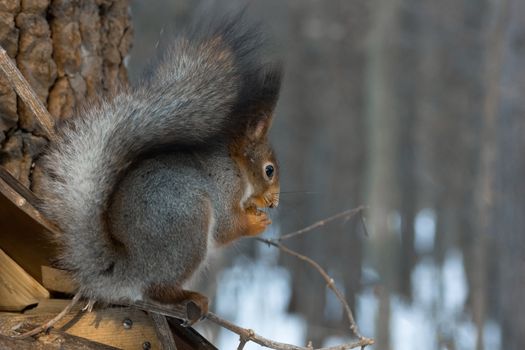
[178,310]
[26,93]
[345,214]
[329,281]
[50,323]
[250,335]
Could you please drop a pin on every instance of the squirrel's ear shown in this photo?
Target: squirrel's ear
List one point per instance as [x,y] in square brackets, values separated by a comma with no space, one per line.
[265,95]
[257,101]
[259,129]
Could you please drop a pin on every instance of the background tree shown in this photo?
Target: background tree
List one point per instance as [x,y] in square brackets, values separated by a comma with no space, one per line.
[69,52]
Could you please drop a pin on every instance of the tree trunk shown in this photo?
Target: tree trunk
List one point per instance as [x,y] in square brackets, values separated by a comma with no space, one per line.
[69,51]
[478,248]
[383,119]
[509,184]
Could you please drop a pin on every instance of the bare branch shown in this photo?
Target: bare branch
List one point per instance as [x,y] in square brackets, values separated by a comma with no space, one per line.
[347,214]
[26,93]
[50,323]
[178,310]
[250,335]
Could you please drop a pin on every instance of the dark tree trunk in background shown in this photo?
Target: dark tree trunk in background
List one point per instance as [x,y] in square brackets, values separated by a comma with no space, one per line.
[484,193]
[69,51]
[383,115]
[409,72]
[510,181]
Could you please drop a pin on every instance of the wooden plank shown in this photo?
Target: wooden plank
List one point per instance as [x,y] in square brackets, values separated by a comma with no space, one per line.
[22,228]
[57,280]
[186,338]
[25,200]
[17,288]
[52,307]
[105,326]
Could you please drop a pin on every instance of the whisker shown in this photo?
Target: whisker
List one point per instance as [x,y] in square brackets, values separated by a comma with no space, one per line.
[296,192]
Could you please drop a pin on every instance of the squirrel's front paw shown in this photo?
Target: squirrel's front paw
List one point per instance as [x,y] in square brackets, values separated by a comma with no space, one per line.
[257,221]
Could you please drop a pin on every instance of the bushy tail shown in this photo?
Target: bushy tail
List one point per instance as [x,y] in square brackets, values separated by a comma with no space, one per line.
[201,89]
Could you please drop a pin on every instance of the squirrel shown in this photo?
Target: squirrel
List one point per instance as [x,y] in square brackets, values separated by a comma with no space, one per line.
[144,184]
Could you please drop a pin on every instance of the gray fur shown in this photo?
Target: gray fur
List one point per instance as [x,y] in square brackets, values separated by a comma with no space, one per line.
[163,213]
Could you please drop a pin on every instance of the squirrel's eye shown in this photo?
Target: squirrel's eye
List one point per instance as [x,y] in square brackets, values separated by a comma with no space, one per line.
[269,170]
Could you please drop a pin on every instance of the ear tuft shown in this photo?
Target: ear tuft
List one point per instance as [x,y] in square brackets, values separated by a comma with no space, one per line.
[259,130]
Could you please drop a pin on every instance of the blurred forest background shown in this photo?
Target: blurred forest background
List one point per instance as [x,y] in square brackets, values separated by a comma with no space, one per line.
[414,109]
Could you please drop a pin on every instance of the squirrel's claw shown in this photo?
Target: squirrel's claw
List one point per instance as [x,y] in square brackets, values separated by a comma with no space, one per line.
[89,305]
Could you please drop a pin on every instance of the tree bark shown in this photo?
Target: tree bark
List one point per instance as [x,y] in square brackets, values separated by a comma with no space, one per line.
[70,52]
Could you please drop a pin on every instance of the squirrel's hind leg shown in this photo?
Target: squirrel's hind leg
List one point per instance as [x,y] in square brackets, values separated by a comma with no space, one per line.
[196,304]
